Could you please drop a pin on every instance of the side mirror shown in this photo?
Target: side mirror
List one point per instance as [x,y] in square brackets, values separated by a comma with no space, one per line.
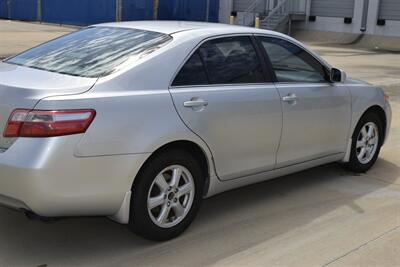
[337,75]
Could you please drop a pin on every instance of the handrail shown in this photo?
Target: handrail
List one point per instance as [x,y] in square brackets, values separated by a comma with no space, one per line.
[277,8]
[282,10]
[252,6]
[273,17]
[251,9]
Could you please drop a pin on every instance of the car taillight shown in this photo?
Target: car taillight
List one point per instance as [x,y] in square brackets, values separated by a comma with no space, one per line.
[47,123]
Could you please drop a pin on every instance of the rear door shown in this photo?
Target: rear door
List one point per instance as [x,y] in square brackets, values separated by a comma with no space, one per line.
[316,113]
[224,96]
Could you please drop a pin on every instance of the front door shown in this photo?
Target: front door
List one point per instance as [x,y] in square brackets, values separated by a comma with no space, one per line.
[316,113]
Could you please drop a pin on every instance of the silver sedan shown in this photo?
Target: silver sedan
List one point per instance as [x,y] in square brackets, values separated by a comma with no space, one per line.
[140,121]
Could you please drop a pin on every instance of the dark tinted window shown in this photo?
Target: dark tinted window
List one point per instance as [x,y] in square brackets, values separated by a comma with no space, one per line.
[291,63]
[192,73]
[92,52]
[231,60]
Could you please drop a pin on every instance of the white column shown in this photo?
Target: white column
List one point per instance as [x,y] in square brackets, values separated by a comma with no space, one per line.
[357,17]
[118,10]
[373,13]
[225,9]
[39,10]
[308,11]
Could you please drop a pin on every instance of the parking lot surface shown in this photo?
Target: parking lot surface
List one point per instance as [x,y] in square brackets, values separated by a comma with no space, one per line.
[324,216]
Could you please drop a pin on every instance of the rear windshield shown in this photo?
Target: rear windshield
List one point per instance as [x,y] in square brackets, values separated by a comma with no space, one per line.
[91,52]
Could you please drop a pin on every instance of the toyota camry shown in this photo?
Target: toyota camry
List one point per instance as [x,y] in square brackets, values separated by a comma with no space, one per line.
[140,121]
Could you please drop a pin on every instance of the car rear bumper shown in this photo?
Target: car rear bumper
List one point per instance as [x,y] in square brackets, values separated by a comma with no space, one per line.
[42,175]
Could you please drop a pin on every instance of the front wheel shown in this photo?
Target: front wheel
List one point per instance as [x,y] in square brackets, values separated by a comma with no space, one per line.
[366,143]
[166,196]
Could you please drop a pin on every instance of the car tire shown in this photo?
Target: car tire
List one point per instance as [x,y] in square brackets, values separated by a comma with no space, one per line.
[361,141]
[162,207]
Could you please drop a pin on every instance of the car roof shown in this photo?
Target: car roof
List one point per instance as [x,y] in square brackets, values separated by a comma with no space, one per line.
[171,27]
[195,29]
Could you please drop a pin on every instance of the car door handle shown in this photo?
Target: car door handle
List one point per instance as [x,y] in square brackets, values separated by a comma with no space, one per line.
[193,103]
[290,98]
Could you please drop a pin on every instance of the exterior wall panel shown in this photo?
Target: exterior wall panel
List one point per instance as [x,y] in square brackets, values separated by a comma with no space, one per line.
[389,9]
[86,12]
[137,9]
[213,11]
[242,5]
[23,10]
[3,9]
[331,8]
[78,12]
[195,10]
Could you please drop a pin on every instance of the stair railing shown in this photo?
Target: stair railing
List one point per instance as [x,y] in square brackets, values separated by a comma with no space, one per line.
[282,10]
[251,10]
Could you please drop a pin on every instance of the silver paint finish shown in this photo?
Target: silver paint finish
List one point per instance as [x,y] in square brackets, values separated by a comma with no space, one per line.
[367,142]
[364,96]
[217,186]
[241,125]
[241,129]
[170,196]
[44,174]
[316,124]
[22,87]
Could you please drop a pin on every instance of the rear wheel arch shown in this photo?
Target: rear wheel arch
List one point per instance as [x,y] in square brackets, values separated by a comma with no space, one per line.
[187,146]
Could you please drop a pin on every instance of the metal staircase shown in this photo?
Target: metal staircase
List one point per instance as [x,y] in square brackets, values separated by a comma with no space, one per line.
[277,16]
[250,13]
[277,19]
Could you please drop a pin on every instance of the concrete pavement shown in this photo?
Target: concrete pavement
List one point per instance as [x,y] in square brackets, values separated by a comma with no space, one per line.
[19,36]
[325,216]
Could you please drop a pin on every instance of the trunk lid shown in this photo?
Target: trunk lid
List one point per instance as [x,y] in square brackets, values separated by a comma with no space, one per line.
[23,87]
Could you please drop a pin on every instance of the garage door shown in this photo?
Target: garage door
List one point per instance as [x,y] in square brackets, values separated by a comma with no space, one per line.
[331,8]
[389,9]
[243,5]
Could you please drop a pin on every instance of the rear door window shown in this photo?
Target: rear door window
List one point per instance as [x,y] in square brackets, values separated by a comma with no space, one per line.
[192,73]
[228,60]
[231,60]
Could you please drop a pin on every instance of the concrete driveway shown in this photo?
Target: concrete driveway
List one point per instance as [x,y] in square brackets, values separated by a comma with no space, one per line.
[325,216]
[18,36]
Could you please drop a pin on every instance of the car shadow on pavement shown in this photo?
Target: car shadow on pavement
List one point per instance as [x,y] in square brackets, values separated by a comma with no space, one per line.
[227,223]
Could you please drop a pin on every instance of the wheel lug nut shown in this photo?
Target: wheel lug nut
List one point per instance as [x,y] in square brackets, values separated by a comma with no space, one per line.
[175,200]
[169,203]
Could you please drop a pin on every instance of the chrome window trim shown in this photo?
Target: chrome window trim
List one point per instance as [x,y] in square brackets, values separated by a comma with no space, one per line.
[211,87]
[221,84]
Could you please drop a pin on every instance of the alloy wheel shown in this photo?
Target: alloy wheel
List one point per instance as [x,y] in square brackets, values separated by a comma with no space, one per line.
[367,142]
[171,196]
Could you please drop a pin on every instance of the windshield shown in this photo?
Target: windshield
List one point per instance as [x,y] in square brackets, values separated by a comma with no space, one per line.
[91,52]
